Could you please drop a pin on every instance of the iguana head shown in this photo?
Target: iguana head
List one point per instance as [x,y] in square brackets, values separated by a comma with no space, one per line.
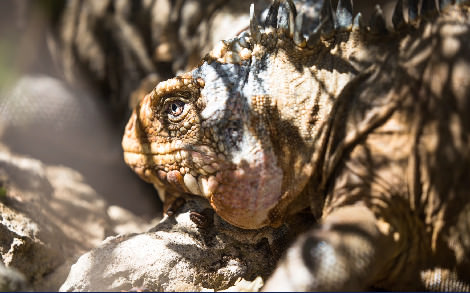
[207,133]
[241,129]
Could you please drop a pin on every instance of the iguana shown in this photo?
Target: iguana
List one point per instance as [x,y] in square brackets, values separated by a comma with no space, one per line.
[367,127]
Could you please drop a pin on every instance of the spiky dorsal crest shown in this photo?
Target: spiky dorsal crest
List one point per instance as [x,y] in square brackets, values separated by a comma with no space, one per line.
[283,20]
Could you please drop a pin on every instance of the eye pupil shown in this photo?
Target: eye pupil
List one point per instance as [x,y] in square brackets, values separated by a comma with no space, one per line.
[176,108]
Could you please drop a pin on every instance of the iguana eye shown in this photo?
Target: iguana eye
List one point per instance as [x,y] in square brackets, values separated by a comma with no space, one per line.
[176,108]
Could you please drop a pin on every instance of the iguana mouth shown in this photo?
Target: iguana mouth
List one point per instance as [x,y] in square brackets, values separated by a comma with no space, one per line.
[188,171]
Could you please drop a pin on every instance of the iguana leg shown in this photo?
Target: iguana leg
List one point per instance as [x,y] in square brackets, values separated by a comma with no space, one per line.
[348,251]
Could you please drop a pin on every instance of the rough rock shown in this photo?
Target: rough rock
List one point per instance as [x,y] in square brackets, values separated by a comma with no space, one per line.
[180,255]
[48,216]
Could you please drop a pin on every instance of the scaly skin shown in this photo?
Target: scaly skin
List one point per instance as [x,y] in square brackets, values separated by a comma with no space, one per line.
[362,125]
[239,136]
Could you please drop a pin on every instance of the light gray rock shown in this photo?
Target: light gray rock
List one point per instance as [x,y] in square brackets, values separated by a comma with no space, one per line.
[179,255]
[48,216]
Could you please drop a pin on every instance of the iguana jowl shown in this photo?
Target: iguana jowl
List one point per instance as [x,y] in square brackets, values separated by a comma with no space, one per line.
[368,128]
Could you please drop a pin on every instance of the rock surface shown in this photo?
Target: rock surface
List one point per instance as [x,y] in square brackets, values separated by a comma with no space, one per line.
[180,255]
[48,216]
